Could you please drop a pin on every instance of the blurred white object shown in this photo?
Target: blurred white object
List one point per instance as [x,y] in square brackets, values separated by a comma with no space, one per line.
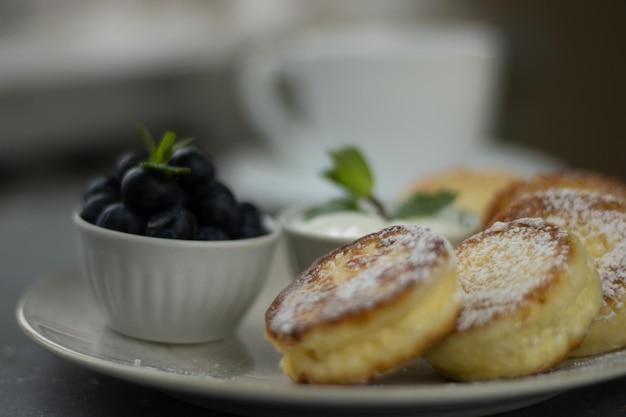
[428,86]
[413,98]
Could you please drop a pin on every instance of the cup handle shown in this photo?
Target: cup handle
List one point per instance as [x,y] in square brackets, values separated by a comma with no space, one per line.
[258,84]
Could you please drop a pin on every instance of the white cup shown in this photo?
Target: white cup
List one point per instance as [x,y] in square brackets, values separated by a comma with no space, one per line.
[407,96]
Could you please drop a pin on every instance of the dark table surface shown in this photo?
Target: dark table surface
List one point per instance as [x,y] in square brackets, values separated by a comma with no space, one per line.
[36,240]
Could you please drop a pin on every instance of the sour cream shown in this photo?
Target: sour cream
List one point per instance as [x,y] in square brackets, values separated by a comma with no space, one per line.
[310,238]
[452,223]
[345,224]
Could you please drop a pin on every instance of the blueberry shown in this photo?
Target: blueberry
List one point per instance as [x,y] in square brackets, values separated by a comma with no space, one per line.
[215,205]
[210,233]
[120,217]
[250,214]
[201,166]
[149,192]
[94,206]
[103,184]
[126,161]
[251,224]
[175,223]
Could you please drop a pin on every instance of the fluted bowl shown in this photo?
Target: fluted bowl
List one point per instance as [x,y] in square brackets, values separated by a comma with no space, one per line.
[174,291]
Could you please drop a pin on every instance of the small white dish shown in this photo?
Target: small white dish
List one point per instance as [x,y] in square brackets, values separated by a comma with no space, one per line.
[311,239]
[174,291]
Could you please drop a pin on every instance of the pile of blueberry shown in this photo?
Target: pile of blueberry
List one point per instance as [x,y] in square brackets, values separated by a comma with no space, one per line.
[178,197]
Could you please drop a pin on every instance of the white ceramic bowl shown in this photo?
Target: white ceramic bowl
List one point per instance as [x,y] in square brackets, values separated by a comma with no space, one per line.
[306,245]
[174,291]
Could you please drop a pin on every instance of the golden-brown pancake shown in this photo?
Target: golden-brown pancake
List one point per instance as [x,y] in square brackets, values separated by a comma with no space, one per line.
[366,308]
[529,292]
[599,221]
[475,188]
[574,179]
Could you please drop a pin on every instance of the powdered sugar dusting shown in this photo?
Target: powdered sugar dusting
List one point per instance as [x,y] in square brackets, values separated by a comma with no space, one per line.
[599,220]
[357,277]
[500,267]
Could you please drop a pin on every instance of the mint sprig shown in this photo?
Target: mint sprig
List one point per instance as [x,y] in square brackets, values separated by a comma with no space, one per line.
[159,154]
[351,172]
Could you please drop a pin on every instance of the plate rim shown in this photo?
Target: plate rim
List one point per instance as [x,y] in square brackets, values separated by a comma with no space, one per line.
[371,395]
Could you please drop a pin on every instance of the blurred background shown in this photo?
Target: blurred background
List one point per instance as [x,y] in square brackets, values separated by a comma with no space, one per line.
[76,77]
[520,84]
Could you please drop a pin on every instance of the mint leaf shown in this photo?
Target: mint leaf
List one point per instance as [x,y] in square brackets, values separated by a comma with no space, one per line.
[182,142]
[424,204]
[333,206]
[158,155]
[163,152]
[351,172]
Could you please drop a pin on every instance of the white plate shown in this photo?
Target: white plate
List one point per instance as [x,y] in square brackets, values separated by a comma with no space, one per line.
[241,374]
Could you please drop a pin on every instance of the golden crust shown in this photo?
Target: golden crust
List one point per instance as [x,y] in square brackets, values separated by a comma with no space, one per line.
[574,179]
[599,221]
[475,187]
[529,294]
[366,308]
